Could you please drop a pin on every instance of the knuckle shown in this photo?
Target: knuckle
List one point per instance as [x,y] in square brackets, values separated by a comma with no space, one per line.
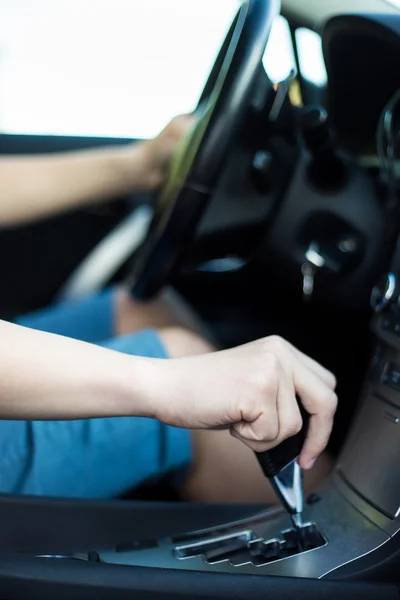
[270,435]
[329,402]
[269,373]
[332,380]
[271,362]
[273,432]
[297,426]
[267,430]
[293,427]
[333,402]
[278,343]
[267,360]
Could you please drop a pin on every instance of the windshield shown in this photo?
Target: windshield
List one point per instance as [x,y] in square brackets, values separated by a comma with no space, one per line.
[121,68]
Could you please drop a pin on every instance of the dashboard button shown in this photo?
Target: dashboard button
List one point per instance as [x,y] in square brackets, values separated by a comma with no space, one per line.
[391,376]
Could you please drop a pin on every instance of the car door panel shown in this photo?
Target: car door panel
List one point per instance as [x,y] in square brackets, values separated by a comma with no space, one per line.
[38,257]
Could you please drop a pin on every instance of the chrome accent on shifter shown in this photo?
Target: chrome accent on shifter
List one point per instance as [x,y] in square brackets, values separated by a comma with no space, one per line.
[288,484]
[297,520]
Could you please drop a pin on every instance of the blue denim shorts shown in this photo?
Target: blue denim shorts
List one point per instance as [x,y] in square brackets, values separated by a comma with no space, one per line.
[94,458]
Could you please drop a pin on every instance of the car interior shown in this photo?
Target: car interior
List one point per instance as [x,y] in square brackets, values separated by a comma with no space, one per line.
[281,216]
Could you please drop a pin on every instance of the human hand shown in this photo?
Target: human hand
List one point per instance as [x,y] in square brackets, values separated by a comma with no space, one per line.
[157,153]
[252,391]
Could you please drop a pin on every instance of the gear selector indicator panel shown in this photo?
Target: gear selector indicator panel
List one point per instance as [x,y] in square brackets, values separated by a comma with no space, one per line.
[246,548]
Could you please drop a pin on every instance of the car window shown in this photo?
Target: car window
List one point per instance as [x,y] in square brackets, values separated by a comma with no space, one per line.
[311,59]
[112,67]
[279,58]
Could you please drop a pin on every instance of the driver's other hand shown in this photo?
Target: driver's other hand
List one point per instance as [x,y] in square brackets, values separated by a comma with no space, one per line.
[252,391]
[158,152]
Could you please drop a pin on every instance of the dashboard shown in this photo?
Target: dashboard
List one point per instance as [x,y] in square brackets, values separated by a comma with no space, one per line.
[362,56]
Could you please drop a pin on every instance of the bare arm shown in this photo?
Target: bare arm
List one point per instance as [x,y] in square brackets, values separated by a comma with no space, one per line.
[32,187]
[251,389]
[46,376]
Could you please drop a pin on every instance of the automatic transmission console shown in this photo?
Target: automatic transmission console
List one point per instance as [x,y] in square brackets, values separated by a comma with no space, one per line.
[246,548]
[351,528]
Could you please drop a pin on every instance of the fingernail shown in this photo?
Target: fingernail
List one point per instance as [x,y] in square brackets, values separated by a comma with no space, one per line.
[310,464]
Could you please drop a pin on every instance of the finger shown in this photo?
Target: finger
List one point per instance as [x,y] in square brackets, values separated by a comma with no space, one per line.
[288,421]
[320,402]
[253,445]
[327,377]
[285,347]
[289,416]
[261,433]
[259,426]
[318,434]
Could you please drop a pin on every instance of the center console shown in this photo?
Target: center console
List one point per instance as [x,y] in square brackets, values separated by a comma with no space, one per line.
[348,546]
[341,526]
[350,534]
[351,528]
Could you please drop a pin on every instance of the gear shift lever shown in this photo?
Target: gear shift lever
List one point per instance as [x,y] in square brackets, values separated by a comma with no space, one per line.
[282,469]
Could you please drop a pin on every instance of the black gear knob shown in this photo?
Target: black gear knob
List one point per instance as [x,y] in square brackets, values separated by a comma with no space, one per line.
[280,466]
[273,461]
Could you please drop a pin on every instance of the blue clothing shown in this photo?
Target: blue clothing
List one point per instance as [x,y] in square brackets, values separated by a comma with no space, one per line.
[94,458]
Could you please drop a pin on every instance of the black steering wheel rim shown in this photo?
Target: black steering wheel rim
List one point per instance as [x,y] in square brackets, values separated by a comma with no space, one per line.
[198,163]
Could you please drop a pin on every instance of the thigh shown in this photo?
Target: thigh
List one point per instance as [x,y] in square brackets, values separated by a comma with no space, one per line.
[236,476]
[15,444]
[101,458]
[90,320]
[167,310]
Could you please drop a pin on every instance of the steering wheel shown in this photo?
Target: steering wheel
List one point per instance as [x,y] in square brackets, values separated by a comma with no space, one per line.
[219,195]
[198,163]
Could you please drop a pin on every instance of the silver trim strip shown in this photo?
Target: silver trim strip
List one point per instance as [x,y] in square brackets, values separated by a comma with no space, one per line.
[107,257]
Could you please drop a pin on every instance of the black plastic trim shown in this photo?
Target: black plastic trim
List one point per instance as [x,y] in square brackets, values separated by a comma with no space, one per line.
[46,579]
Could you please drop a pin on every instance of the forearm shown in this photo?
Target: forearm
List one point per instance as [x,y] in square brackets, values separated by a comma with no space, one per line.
[32,187]
[45,376]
